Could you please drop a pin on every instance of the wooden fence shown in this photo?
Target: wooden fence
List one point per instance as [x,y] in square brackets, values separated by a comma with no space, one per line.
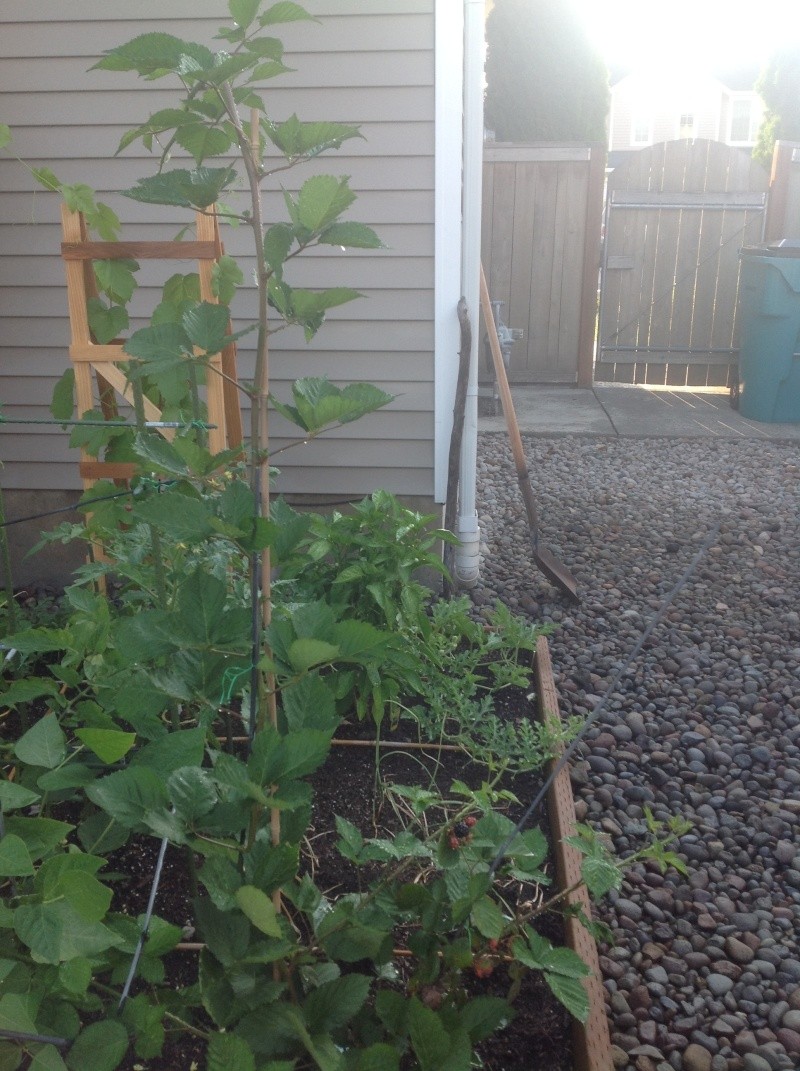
[542,213]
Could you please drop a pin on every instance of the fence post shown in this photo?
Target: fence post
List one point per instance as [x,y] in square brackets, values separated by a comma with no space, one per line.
[591,265]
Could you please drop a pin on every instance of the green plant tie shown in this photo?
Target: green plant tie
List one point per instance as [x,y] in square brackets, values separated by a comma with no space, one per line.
[229,680]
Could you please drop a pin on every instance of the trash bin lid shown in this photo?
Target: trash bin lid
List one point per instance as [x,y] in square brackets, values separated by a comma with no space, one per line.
[782,247]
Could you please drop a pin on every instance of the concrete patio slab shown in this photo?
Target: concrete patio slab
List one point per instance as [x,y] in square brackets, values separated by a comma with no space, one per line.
[634,412]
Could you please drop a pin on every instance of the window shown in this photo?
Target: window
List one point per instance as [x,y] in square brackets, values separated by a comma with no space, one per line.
[742,125]
[641,130]
[686,125]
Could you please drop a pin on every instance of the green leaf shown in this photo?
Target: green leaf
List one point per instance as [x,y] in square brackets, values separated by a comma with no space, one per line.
[104,221]
[351,236]
[331,1005]
[243,12]
[305,653]
[378,1057]
[259,908]
[89,897]
[221,878]
[78,197]
[161,455]
[44,744]
[5,135]
[487,918]
[116,278]
[226,275]
[352,841]
[75,975]
[15,859]
[14,796]
[47,1058]
[28,689]
[172,752]
[99,1047]
[45,177]
[105,322]
[154,54]
[309,704]
[429,1039]
[63,404]
[278,242]
[483,1016]
[296,139]
[207,326]
[146,637]
[186,189]
[40,835]
[192,792]
[284,11]
[321,200]
[203,141]
[16,1013]
[110,745]
[128,795]
[55,932]
[179,288]
[600,875]
[161,343]
[227,1052]
[183,519]
[572,994]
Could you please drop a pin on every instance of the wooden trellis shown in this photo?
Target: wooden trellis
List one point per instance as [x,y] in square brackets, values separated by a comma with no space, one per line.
[98,377]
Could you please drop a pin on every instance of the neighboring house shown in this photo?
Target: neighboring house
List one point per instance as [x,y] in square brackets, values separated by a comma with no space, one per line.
[661,105]
[394,66]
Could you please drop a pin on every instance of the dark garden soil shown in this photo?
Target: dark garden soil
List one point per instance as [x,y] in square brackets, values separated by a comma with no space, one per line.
[539,1036]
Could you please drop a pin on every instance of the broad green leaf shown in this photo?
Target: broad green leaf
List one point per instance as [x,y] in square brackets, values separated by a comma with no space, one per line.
[15,859]
[116,278]
[352,841]
[243,12]
[227,933]
[105,322]
[78,197]
[145,1020]
[222,881]
[161,937]
[99,1047]
[161,455]
[62,406]
[207,326]
[284,11]
[572,994]
[165,341]
[171,752]
[192,792]
[40,835]
[55,932]
[89,897]
[17,1013]
[146,637]
[183,519]
[305,653]
[278,242]
[378,1057]
[296,139]
[45,177]
[44,744]
[5,135]
[187,189]
[40,640]
[203,141]
[330,1006]
[226,275]
[153,55]
[14,796]
[482,1016]
[104,221]
[259,908]
[47,1058]
[487,918]
[321,200]
[75,975]
[351,236]
[309,703]
[128,795]
[429,1039]
[601,875]
[28,689]
[110,745]
[179,288]
[227,1052]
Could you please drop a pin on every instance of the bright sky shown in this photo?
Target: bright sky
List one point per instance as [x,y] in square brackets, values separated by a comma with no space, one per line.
[706,33]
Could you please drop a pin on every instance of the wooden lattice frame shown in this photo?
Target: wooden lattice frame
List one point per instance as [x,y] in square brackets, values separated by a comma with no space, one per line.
[87,356]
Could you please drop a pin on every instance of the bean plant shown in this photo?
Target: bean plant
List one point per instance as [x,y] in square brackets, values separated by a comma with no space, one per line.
[182,699]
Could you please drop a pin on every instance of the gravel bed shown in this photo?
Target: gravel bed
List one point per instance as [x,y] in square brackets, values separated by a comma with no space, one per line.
[705,972]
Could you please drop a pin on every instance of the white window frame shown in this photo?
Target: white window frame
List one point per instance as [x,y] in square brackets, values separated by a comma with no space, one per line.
[635,122]
[753,123]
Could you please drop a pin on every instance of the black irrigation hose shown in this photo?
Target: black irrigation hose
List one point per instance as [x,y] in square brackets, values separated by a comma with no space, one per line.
[603,702]
[64,509]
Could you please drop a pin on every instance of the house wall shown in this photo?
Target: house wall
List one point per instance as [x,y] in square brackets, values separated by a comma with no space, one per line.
[369,62]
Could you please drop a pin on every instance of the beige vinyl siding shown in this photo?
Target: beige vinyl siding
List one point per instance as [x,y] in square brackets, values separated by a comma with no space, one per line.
[368,62]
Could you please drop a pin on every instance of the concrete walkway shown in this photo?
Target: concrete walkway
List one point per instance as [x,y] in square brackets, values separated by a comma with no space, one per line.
[633,412]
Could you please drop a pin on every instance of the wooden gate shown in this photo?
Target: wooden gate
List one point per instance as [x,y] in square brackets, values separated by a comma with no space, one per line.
[540,244]
[677,214]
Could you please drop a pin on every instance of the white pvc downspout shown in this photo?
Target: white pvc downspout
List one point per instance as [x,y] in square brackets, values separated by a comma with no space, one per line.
[467,563]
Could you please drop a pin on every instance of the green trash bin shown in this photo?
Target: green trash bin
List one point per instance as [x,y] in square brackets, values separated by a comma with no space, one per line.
[769,333]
